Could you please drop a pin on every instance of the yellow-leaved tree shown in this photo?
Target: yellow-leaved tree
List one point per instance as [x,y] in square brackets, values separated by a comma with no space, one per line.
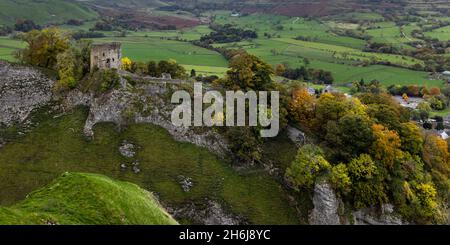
[126,64]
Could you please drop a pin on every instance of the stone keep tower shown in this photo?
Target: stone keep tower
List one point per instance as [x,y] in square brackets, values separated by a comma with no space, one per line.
[106,56]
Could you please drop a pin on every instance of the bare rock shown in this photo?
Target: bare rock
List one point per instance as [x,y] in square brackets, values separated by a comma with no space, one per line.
[296,136]
[212,214]
[22,89]
[120,107]
[326,206]
[127,149]
[186,183]
[135,167]
[371,217]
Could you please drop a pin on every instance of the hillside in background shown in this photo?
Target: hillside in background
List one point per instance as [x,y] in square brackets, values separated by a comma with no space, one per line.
[147,11]
[43,11]
[311,7]
[76,198]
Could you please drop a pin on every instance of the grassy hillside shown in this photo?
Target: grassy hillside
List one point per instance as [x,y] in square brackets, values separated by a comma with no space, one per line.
[43,11]
[57,145]
[76,198]
[128,3]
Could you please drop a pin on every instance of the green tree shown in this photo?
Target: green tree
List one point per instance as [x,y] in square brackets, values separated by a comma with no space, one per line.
[350,136]
[66,69]
[247,72]
[171,67]
[411,138]
[339,178]
[309,164]
[362,168]
[332,107]
[152,69]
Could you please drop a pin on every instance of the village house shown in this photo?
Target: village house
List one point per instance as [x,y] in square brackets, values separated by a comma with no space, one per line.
[446,75]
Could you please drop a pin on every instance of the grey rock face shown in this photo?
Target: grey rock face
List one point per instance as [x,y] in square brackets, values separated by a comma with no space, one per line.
[135,167]
[120,107]
[326,206]
[127,150]
[369,217]
[186,183]
[212,214]
[22,89]
[296,136]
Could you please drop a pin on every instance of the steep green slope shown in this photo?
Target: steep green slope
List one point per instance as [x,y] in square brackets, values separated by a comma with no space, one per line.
[43,11]
[57,145]
[76,198]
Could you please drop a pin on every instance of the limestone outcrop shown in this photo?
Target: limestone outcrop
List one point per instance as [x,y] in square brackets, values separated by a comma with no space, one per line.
[22,89]
[146,103]
[326,206]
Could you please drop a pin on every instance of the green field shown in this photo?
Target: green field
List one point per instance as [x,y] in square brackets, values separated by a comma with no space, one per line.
[292,52]
[186,34]
[342,55]
[443,33]
[57,145]
[285,27]
[76,198]
[207,70]
[150,48]
[8,46]
[389,32]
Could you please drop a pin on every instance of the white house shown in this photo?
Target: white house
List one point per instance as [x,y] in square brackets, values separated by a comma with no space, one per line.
[444,135]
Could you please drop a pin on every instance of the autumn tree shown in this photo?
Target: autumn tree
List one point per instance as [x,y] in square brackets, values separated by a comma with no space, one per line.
[126,64]
[435,91]
[435,153]
[43,47]
[280,69]
[302,107]
[386,146]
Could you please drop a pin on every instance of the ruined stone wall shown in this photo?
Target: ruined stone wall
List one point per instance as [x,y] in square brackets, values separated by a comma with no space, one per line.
[106,56]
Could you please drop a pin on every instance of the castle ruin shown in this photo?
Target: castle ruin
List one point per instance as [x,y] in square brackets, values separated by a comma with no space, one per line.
[106,56]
